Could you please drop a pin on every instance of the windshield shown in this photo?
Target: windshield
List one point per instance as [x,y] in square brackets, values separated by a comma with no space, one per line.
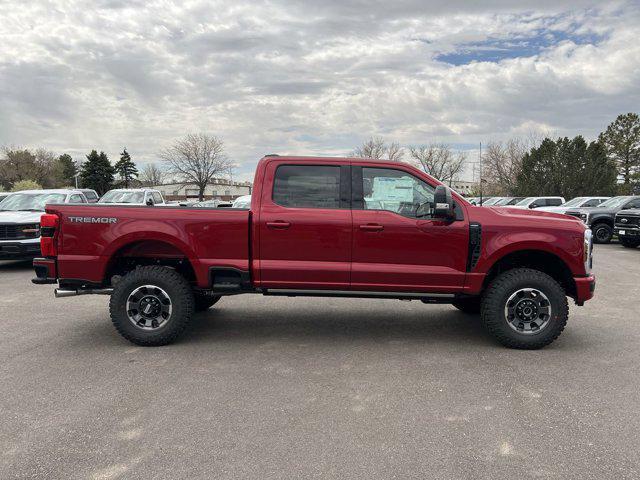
[492,201]
[33,202]
[574,202]
[504,201]
[116,196]
[611,203]
[526,201]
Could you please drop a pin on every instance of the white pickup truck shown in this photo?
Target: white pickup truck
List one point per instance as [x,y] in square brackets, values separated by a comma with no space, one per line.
[20,219]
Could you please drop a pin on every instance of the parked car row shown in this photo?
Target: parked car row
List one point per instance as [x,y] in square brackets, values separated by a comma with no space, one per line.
[20,212]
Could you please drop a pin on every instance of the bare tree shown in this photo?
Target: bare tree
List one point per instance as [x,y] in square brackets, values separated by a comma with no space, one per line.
[439,161]
[502,162]
[377,148]
[151,175]
[197,159]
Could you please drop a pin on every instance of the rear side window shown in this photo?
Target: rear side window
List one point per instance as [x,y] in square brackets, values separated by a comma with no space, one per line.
[554,202]
[91,196]
[76,199]
[307,186]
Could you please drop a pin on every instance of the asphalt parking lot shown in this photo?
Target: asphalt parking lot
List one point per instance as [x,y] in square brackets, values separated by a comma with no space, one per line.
[267,388]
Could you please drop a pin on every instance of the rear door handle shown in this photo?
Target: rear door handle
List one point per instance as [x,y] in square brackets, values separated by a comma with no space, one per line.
[278,224]
[372,227]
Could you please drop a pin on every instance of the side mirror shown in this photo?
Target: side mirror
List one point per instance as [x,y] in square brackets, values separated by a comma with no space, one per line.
[149,202]
[443,203]
[534,205]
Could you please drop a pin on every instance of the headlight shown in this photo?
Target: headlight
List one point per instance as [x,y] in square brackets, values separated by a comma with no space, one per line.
[588,250]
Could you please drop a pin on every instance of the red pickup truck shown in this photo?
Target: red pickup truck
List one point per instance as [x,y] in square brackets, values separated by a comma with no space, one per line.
[330,227]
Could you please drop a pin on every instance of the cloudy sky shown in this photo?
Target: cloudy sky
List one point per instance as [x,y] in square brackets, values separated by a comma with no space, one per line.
[314,77]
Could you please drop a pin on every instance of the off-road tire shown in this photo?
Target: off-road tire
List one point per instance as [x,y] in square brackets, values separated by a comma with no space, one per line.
[628,243]
[470,306]
[204,302]
[495,299]
[602,233]
[179,292]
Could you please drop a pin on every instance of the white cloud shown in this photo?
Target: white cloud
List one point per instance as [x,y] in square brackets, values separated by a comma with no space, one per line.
[309,77]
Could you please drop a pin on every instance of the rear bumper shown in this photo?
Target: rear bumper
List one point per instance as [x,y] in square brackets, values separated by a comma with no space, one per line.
[585,287]
[46,271]
[25,249]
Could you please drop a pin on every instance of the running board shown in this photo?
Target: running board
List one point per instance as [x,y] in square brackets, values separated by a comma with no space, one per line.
[425,297]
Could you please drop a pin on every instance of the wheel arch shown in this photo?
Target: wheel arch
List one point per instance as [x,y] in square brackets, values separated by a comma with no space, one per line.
[148,251]
[536,259]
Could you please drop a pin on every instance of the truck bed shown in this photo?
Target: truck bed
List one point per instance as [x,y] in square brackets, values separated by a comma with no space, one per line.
[94,233]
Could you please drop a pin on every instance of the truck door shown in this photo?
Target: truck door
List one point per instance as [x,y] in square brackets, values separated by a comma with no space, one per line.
[305,227]
[397,246]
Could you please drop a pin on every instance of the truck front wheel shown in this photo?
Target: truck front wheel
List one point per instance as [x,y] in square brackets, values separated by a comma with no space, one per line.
[524,308]
[602,233]
[151,305]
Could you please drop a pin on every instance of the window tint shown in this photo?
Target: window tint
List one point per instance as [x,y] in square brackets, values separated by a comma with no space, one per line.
[554,202]
[396,191]
[307,186]
[156,197]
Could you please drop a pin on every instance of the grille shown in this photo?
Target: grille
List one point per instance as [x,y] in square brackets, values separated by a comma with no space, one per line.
[573,214]
[630,221]
[11,231]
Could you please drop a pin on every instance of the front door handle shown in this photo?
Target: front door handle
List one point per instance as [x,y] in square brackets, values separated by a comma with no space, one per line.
[278,224]
[372,227]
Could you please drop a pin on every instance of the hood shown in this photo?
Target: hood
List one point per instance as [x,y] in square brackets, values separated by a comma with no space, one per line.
[526,212]
[592,210]
[552,209]
[20,217]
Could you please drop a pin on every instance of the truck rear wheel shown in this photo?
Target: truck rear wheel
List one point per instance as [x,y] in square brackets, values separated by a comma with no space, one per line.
[525,308]
[602,233]
[151,306]
[204,302]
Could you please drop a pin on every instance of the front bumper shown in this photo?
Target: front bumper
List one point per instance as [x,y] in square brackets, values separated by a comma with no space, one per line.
[20,249]
[585,287]
[631,232]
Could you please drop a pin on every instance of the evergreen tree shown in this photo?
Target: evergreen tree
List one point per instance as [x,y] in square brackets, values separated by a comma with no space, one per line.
[97,172]
[125,168]
[65,171]
[570,168]
[622,141]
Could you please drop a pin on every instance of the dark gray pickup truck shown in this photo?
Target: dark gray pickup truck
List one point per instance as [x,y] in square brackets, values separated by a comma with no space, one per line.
[601,219]
[627,228]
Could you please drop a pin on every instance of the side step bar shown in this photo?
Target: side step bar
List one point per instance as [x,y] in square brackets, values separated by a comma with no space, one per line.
[424,296]
[64,292]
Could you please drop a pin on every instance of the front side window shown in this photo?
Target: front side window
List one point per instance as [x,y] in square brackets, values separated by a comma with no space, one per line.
[76,199]
[307,186]
[156,198]
[398,192]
